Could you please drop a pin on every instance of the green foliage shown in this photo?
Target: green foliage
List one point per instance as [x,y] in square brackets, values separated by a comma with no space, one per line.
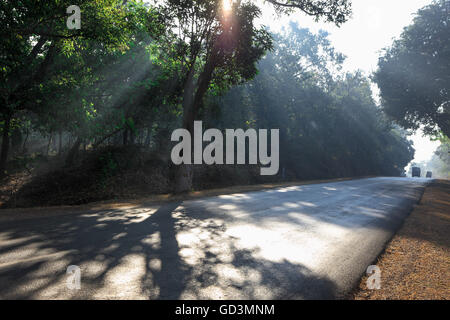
[219,49]
[329,123]
[414,74]
[329,10]
[440,163]
[135,71]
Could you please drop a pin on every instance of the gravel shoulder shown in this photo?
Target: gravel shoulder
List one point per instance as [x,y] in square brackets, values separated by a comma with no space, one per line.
[416,263]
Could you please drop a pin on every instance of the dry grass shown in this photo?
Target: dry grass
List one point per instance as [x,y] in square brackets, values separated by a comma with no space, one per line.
[416,263]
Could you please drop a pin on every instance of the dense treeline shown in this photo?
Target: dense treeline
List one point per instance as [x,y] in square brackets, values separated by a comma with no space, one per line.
[133,73]
[440,162]
[330,125]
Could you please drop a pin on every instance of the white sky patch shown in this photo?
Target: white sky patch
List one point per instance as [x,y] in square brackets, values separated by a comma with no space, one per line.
[425,148]
[373,26]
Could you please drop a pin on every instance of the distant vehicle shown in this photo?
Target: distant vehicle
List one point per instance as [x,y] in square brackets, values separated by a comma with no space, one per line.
[416,172]
[429,174]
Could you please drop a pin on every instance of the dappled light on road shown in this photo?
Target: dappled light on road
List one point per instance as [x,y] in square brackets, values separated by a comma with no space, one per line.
[274,244]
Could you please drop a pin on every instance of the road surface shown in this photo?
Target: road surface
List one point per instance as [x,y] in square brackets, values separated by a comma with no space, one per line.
[301,242]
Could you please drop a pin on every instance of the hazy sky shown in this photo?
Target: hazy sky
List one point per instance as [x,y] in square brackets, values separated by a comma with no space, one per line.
[373,26]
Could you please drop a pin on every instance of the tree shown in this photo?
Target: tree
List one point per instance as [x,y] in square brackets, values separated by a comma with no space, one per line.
[414,74]
[34,34]
[330,126]
[217,46]
[440,162]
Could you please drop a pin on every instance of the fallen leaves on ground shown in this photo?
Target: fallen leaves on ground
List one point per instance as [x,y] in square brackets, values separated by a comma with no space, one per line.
[416,263]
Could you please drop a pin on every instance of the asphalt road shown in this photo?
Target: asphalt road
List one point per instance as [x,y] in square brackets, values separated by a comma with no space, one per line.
[302,242]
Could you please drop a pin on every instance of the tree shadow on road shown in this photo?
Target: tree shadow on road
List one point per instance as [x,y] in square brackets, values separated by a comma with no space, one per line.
[145,252]
[383,204]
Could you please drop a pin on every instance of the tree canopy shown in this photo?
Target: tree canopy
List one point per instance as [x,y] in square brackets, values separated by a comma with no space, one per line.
[329,123]
[136,71]
[414,74]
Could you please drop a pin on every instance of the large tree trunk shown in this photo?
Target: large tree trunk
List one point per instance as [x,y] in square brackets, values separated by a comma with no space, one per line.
[49,143]
[60,142]
[73,152]
[148,137]
[192,102]
[16,140]
[184,178]
[132,137]
[185,173]
[24,146]
[5,144]
[125,136]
